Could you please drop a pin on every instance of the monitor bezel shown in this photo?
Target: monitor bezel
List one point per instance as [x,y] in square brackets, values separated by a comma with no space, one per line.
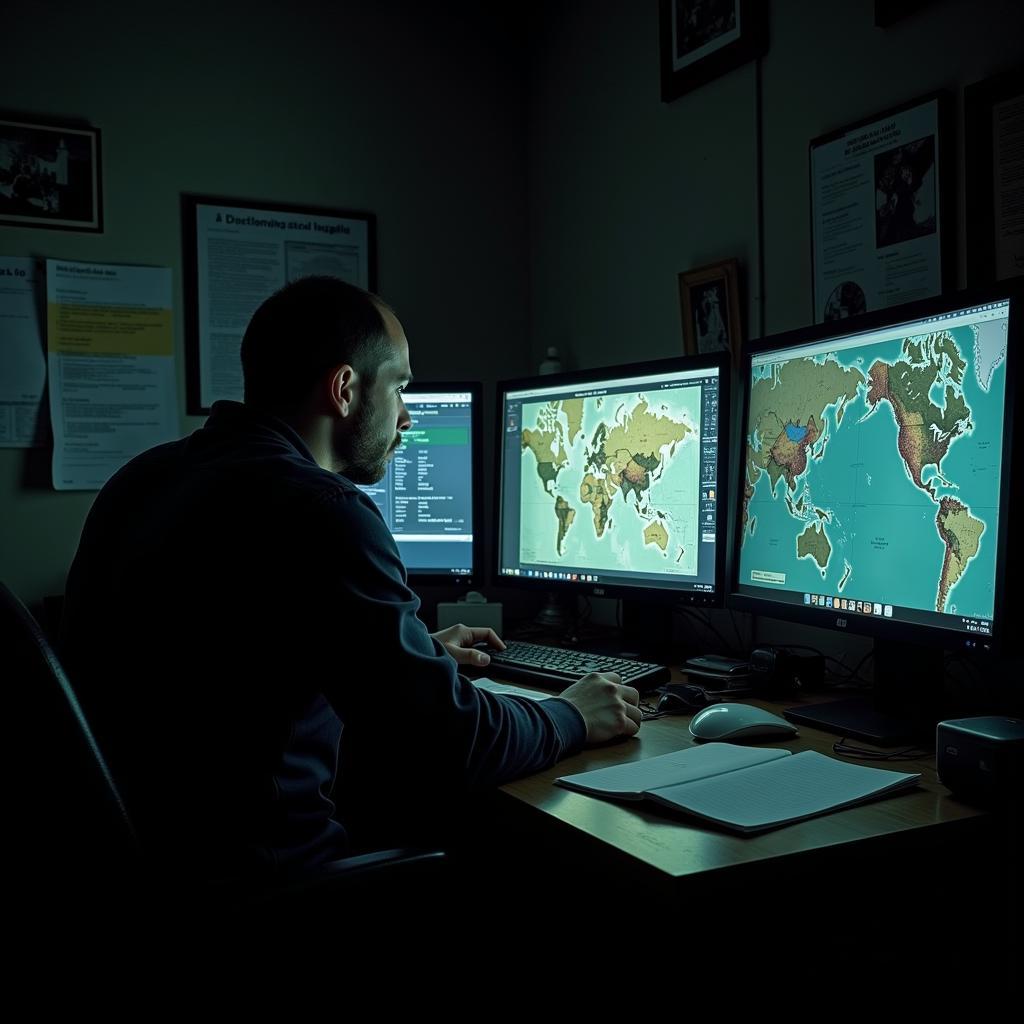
[475,388]
[654,595]
[872,626]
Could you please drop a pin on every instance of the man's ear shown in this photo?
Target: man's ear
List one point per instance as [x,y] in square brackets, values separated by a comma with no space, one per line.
[342,389]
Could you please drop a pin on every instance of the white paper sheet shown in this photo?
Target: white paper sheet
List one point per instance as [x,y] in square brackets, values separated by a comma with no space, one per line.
[111,359]
[22,354]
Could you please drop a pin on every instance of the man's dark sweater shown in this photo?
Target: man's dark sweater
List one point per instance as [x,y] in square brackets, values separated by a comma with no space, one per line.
[232,608]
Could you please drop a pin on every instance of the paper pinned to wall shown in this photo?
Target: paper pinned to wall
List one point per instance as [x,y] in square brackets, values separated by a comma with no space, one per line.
[22,354]
[111,359]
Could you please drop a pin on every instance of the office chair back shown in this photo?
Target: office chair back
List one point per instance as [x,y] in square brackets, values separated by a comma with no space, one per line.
[79,853]
[68,824]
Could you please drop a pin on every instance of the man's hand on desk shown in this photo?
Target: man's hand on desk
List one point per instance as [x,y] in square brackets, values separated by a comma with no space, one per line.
[458,641]
[609,708]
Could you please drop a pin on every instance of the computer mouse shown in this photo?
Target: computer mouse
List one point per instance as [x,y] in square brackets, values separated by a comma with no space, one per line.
[736,723]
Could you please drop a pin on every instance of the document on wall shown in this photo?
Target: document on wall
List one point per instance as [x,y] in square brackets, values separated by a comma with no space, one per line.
[877,234]
[22,354]
[243,254]
[111,359]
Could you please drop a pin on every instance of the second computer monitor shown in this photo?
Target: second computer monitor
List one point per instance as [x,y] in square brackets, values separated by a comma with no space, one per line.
[430,495]
[876,472]
[611,480]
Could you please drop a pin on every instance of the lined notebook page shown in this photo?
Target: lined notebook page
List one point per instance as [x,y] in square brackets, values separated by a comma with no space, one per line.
[680,766]
[800,786]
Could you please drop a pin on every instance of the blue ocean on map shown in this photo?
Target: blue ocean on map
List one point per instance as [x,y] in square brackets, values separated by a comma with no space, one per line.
[881,525]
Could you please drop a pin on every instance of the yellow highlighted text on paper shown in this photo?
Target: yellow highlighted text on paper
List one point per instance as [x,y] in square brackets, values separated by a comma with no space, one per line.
[83,329]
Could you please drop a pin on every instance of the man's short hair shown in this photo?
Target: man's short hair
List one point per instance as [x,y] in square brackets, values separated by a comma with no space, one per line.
[307,327]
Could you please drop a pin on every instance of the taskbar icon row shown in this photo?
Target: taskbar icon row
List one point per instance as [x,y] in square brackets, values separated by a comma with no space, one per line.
[844,604]
[545,574]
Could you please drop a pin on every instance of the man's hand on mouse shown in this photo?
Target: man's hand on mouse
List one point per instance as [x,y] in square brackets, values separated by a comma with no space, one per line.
[608,708]
[458,641]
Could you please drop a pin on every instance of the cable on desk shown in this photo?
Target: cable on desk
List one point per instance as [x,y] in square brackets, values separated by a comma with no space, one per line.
[648,712]
[706,623]
[683,699]
[740,645]
[851,678]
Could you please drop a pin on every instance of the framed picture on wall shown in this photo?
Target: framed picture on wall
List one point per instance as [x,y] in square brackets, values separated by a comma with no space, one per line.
[710,306]
[50,174]
[881,224]
[702,39]
[994,187]
[240,251]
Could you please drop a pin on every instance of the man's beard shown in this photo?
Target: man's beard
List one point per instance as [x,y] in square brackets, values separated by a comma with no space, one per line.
[365,462]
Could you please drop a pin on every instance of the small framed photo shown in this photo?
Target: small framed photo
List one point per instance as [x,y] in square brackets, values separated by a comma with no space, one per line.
[710,304]
[994,168]
[702,39]
[50,174]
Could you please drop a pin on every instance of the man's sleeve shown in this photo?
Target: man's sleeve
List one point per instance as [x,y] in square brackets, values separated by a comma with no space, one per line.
[381,666]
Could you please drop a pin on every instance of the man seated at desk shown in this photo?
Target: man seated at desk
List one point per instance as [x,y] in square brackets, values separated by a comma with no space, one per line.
[240,627]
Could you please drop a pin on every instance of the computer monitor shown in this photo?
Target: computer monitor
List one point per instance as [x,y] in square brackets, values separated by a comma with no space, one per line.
[875,482]
[430,495]
[611,480]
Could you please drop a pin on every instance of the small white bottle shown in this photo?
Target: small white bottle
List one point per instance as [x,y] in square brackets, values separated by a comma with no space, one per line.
[551,364]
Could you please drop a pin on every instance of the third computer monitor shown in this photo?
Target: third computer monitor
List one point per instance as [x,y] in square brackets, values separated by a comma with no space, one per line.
[430,494]
[611,480]
[874,485]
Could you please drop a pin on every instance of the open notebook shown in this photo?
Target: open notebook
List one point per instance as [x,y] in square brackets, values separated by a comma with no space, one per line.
[744,789]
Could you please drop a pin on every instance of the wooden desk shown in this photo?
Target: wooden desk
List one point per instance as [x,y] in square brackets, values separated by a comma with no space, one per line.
[914,866]
[672,848]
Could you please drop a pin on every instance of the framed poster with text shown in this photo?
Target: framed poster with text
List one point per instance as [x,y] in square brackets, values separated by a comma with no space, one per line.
[881,222]
[237,253]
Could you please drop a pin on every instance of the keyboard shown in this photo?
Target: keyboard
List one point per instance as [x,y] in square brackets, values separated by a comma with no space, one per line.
[559,667]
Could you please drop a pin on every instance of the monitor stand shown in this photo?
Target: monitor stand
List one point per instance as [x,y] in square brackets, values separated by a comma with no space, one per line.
[644,633]
[647,630]
[857,717]
[903,707]
[555,615]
